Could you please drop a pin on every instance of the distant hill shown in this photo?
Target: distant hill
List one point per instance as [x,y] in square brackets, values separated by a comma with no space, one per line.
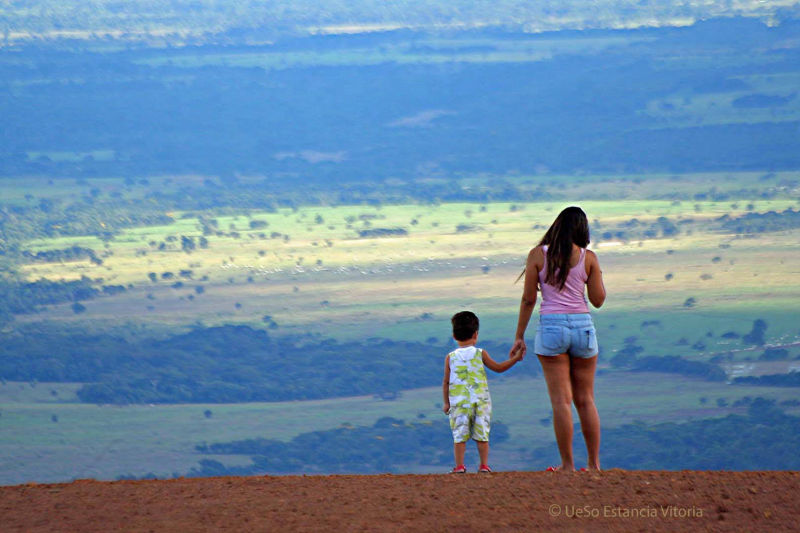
[717,95]
[180,19]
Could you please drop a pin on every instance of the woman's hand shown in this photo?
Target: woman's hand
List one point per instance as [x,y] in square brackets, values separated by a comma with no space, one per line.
[446,408]
[519,346]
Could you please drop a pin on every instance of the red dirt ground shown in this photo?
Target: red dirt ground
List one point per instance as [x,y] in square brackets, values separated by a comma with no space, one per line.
[614,500]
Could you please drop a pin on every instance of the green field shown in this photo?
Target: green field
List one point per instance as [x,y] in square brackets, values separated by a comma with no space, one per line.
[311,271]
[319,275]
[104,442]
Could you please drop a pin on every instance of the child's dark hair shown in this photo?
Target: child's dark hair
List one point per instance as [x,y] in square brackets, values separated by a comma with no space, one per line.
[465,324]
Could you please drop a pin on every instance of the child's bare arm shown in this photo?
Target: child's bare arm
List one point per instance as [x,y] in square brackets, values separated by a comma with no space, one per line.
[493,365]
[446,386]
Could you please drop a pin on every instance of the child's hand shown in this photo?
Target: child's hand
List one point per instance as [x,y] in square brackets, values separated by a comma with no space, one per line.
[446,408]
[518,347]
[517,355]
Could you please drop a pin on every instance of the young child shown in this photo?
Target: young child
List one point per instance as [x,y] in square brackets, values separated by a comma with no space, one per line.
[466,392]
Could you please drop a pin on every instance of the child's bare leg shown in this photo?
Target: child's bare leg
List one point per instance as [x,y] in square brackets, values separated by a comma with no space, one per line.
[582,377]
[557,376]
[483,451]
[459,449]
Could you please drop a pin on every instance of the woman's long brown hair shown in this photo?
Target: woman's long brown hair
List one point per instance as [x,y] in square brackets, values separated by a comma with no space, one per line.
[570,227]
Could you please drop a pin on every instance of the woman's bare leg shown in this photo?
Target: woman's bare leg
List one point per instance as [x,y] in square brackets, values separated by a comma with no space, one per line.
[582,371]
[559,386]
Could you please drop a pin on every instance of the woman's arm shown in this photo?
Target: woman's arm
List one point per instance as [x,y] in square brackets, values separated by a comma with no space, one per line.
[594,284]
[493,365]
[446,386]
[533,265]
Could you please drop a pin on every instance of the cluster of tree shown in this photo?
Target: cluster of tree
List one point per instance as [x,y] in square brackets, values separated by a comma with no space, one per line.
[774,354]
[102,217]
[74,253]
[390,445]
[28,297]
[382,232]
[663,227]
[635,229]
[626,358]
[792,379]
[220,364]
[756,333]
[675,364]
[762,222]
[765,438]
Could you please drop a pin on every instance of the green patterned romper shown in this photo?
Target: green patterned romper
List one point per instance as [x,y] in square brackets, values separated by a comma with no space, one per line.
[470,403]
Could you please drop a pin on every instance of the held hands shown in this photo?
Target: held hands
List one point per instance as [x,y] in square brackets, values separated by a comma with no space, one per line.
[518,350]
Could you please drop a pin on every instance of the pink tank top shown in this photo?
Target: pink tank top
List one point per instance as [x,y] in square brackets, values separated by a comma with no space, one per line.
[571,299]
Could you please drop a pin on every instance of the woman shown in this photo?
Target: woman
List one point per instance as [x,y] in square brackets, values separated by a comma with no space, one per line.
[566,342]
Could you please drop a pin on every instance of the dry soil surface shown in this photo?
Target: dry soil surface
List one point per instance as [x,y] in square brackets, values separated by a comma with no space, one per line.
[613,500]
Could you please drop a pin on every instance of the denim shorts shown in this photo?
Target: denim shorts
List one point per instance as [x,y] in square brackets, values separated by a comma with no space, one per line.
[573,334]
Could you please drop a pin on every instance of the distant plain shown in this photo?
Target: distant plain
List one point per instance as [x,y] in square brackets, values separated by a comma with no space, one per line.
[405,287]
[328,182]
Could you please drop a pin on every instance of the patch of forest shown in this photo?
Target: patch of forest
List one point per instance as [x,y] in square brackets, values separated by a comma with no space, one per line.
[764,438]
[224,364]
[762,222]
[29,297]
[792,379]
[390,445]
